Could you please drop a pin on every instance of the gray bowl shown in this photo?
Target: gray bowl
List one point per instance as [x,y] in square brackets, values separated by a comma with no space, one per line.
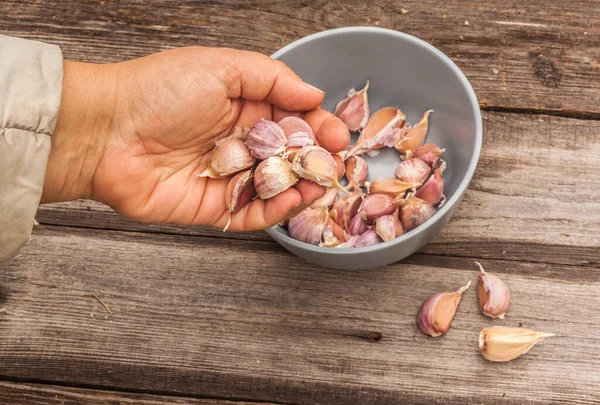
[414,76]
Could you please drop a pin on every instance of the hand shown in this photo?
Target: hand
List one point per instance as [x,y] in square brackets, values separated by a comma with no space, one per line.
[134,135]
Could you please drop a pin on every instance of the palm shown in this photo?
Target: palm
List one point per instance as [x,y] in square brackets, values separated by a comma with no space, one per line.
[176,106]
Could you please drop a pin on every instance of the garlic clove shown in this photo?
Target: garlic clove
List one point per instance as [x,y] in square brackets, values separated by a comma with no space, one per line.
[329,239]
[354,109]
[229,156]
[337,230]
[415,136]
[414,212]
[297,128]
[501,343]
[437,312]
[391,187]
[350,242]
[414,171]
[239,192]
[273,176]
[384,129]
[346,207]
[368,238]
[357,171]
[429,153]
[316,164]
[377,205]
[433,189]
[327,200]
[309,225]
[339,165]
[358,225]
[388,227]
[298,140]
[494,295]
[266,139]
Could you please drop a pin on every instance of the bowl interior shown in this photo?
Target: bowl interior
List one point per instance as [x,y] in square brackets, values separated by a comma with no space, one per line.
[403,72]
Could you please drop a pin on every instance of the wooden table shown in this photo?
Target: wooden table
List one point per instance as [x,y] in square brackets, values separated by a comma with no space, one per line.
[205,317]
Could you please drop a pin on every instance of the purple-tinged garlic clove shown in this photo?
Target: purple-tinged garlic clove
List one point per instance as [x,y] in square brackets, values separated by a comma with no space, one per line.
[316,164]
[415,136]
[229,156]
[354,109]
[273,176]
[239,192]
[266,139]
[346,207]
[368,238]
[298,129]
[358,225]
[433,189]
[327,200]
[414,212]
[494,295]
[377,205]
[384,129]
[308,226]
[391,187]
[502,343]
[437,312]
[429,153]
[357,171]
[414,171]
[388,227]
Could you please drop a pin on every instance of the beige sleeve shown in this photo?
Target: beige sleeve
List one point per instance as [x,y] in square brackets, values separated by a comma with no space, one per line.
[31,75]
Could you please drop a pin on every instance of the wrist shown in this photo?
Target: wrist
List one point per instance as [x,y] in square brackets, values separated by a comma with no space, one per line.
[84,122]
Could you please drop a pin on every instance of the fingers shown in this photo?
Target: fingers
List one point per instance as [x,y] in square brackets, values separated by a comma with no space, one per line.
[309,191]
[332,133]
[257,77]
[252,112]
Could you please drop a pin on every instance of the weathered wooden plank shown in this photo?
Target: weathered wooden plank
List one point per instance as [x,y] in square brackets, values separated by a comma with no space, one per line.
[533,197]
[242,319]
[38,394]
[542,55]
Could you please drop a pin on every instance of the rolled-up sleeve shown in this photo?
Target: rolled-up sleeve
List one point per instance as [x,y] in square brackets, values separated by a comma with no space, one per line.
[31,75]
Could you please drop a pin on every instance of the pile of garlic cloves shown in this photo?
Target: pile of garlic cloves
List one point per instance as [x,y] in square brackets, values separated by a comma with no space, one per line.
[496,343]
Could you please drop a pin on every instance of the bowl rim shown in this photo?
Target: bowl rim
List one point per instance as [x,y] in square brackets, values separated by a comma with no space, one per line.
[463,185]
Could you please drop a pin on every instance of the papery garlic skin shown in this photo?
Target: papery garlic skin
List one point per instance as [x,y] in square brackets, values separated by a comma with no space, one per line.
[273,176]
[309,225]
[501,343]
[414,212]
[494,295]
[437,312]
[229,156]
[377,205]
[388,227]
[368,238]
[354,109]
[239,192]
[414,171]
[357,171]
[433,189]
[329,239]
[316,164]
[429,153]
[266,139]
[384,129]
[415,136]
[346,207]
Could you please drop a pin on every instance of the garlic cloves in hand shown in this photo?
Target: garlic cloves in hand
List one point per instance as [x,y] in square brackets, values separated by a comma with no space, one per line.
[273,176]
[339,165]
[316,164]
[437,312]
[413,171]
[494,295]
[501,343]
[429,153]
[239,192]
[391,187]
[433,189]
[414,212]
[229,156]
[357,171]
[354,109]
[388,227]
[383,129]
[415,136]
[308,225]
[297,131]
[266,139]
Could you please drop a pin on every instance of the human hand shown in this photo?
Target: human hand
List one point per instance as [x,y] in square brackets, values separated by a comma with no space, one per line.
[134,135]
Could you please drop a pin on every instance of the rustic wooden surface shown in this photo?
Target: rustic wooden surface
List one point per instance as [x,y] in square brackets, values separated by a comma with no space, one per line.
[205,317]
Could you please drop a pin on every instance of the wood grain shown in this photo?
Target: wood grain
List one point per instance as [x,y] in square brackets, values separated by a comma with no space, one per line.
[534,197]
[542,55]
[245,320]
[39,394]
